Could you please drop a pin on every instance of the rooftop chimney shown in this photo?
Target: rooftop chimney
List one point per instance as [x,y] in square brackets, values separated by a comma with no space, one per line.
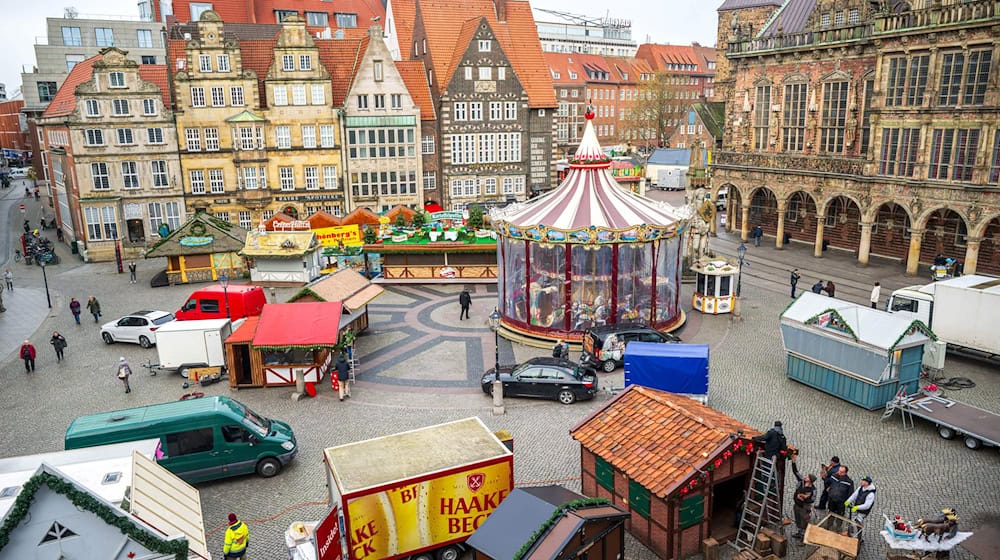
[501,8]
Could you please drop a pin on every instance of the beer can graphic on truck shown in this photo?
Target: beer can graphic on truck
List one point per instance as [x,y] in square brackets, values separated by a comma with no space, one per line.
[410,517]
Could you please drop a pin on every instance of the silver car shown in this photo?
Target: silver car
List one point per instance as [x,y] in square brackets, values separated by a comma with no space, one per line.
[139,328]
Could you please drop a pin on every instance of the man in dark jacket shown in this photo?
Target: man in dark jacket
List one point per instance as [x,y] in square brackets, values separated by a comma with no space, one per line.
[343,377]
[773,440]
[464,300]
[818,287]
[824,472]
[840,489]
[560,350]
[803,499]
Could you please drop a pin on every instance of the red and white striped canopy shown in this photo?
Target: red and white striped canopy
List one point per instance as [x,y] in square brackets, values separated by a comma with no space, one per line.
[589,196]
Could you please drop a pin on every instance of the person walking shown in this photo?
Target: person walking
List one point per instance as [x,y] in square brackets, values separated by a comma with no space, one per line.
[124,372]
[758,234]
[830,288]
[817,287]
[805,493]
[465,301]
[74,307]
[27,225]
[824,472]
[59,343]
[28,354]
[131,272]
[876,295]
[237,538]
[840,489]
[343,377]
[8,278]
[94,307]
[794,281]
[861,502]
[774,440]
[560,350]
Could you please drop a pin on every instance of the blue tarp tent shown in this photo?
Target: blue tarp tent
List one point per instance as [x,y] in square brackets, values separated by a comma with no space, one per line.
[676,368]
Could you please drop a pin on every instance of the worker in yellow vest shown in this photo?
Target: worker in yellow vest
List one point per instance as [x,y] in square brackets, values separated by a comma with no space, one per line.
[237,538]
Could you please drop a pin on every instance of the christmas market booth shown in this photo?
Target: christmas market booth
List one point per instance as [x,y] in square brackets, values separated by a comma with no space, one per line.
[715,286]
[268,350]
[677,466]
[282,257]
[201,249]
[588,253]
[353,290]
[549,523]
[862,355]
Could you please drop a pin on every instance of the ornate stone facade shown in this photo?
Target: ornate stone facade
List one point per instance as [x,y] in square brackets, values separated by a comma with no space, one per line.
[871,131]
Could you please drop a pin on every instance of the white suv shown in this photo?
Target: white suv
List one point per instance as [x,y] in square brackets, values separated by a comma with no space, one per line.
[139,327]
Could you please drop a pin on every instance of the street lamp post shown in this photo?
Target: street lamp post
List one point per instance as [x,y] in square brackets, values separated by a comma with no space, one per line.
[741,253]
[224,280]
[494,320]
[45,278]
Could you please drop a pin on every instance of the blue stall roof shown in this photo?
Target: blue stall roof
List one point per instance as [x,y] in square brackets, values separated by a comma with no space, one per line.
[677,368]
[860,323]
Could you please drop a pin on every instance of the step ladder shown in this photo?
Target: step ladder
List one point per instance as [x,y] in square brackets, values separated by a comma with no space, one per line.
[899,402]
[762,505]
[352,361]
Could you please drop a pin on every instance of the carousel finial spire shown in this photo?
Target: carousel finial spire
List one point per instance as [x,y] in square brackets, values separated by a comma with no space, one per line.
[590,154]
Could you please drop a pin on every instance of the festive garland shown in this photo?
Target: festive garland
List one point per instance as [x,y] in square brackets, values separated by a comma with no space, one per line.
[85,501]
[197,229]
[702,476]
[556,516]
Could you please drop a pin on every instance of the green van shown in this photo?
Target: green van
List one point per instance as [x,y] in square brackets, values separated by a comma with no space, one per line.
[200,439]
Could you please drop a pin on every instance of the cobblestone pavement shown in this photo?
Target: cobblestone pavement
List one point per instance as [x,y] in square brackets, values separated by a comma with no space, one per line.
[419,366]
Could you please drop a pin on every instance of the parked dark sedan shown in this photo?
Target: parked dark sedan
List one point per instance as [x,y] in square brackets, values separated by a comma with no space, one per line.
[546,378]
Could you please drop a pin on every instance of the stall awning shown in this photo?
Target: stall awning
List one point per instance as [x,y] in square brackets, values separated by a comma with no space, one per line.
[298,325]
[245,332]
[361,299]
[164,501]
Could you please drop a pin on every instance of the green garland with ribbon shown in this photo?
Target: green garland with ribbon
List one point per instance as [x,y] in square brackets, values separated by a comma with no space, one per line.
[85,501]
[555,517]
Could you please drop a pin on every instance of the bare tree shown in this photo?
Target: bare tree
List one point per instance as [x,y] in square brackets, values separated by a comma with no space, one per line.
[649,119]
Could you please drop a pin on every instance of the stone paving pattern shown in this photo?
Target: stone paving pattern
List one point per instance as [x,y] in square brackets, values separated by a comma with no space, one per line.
[420,366]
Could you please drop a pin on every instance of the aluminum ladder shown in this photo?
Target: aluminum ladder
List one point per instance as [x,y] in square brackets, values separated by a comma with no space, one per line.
[762,505]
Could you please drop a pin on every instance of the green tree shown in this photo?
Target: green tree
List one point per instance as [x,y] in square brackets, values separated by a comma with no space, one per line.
[650,118]
[370,236]
[419,219]
[475,220]
[400,220]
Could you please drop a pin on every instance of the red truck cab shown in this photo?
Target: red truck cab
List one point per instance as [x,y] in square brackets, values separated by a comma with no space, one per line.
[210,303]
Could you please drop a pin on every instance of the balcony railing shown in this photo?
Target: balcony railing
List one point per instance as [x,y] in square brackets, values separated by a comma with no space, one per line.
[820,164]
[250,156]
[957,12]
[798,40]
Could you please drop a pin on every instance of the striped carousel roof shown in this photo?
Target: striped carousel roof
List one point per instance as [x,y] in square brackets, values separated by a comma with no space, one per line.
[589,197]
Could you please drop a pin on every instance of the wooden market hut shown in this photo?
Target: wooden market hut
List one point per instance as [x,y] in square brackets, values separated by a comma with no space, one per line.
[321,219]
[282,257]
[862,355]
[266,351]
[361,217]
[348,287]
[677,466]
[201,249]
[548,523]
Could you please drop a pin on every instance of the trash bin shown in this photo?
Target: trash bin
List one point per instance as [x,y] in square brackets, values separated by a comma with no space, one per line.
[74,248]
[786,238]
[825,244]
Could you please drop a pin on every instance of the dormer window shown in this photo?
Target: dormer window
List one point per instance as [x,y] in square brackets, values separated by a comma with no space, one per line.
[824,20]
[305,62]
[287,62]
[205,62]
[116,79]
[485,45]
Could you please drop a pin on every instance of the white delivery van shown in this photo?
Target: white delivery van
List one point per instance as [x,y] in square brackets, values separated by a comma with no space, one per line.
[190,344]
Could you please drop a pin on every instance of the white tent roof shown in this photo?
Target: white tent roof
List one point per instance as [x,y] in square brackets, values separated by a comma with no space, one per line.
[164,501]
[870,326]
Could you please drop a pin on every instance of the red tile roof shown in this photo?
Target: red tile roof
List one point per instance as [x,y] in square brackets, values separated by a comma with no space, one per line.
[405,14]
[64,101]
[657,438]
[517,35]
[262,11]
[360,216]
[157,74]
[415,77]
[258,55]
[659,56]
[341,58]
[462,39]
[562,64]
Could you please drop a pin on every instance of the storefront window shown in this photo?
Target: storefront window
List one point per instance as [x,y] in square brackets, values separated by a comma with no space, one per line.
[591,285]
[516,299]
[635,273]
[293,356]
[666,280]
[548,273]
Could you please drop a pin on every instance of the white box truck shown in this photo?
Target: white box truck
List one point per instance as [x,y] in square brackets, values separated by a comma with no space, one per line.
[961,311]
[183,345]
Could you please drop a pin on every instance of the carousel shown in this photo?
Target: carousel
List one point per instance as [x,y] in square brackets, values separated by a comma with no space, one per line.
[588,253]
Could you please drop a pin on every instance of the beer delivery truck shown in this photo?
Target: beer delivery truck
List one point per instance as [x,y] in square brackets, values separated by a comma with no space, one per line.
[416,494]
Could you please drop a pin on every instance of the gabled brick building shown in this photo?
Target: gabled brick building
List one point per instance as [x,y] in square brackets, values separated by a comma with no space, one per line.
[492,90]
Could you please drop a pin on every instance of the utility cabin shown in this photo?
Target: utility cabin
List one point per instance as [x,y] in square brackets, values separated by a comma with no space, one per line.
[551,523]
[859,354]
[679,467]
